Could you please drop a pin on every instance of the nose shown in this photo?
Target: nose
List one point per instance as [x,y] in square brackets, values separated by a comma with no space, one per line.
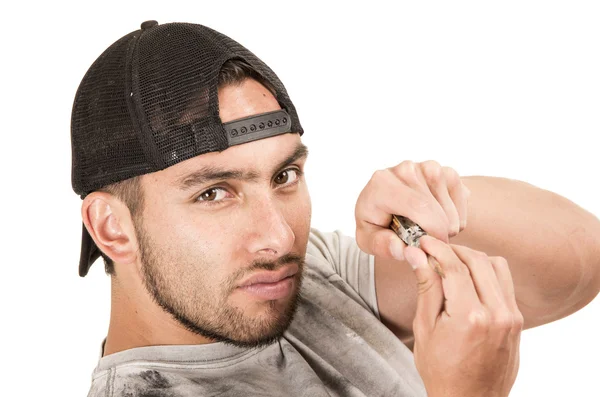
[268,230]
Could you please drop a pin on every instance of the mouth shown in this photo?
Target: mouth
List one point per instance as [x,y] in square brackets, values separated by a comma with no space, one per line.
[270,285]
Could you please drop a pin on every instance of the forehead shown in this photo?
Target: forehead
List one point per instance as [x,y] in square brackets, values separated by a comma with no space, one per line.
[253,161]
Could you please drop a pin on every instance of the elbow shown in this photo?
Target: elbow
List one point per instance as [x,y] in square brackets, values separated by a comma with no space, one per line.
[578,282]
[585,284]
[589,286]
[586,290]
[564,297]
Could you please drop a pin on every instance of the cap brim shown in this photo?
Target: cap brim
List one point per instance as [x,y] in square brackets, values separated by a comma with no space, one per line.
[89,252]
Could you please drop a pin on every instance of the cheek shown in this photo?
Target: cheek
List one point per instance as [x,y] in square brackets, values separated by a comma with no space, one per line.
[189,238]
[299,217]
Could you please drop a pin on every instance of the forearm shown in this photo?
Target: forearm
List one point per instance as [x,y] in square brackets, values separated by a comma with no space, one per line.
[551,244]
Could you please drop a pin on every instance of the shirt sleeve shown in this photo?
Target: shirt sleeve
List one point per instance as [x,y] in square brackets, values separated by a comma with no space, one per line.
[354,266]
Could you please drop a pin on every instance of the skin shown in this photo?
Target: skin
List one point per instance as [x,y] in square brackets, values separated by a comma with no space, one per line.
[551,245]
[177,270]
[192,253]
[467,324]
[465,327]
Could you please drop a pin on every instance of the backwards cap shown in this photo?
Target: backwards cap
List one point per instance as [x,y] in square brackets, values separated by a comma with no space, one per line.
[150,101]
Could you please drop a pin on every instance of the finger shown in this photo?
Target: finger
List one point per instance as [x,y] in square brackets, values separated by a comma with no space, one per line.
[483,276]
[386,194]
[430,298]
[500,266]
[459,194]
[435,179]
[424,209]
[459,289]
[379,241]
[504,277]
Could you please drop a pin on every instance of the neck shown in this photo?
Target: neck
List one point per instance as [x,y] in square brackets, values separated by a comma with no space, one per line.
[137,321]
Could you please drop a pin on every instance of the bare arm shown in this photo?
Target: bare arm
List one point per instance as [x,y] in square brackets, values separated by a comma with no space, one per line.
[552,247]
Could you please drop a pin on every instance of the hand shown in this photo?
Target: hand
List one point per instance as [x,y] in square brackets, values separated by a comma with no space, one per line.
[430,195]
[467,326]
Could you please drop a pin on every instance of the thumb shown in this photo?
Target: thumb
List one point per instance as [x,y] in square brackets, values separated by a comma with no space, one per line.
[430,299]
[380,242]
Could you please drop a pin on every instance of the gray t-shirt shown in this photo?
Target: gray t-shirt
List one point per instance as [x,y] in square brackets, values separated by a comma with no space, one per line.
[335,346]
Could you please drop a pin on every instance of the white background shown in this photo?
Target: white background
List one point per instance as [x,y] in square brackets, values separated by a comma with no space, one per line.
[506,89]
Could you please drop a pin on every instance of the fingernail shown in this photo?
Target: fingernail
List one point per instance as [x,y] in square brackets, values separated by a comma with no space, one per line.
[397,248]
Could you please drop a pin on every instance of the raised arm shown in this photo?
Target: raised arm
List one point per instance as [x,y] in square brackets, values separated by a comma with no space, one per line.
[552,245]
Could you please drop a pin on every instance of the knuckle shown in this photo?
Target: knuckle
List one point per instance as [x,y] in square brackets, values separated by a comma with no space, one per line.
[479,256]
[424,286]
[499,262]
[432,172]
[378,175]
[478,319]
[406,166]
[432,164]
[518,322]
[451,175]
[503,319]
[406,171]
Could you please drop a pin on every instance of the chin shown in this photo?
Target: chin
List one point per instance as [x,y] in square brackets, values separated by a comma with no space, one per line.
[263,329]
[265,323]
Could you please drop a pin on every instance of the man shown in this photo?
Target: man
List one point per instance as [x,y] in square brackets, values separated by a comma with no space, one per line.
[188,157]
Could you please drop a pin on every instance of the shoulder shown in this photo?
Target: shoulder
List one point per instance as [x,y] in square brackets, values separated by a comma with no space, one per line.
[331,249]
[321,252]
[335,264]
[326,244]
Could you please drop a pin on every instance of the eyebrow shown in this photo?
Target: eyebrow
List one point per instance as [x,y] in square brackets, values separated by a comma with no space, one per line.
[211,173]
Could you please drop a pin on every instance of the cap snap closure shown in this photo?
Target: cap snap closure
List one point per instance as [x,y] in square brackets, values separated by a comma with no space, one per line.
[148,24]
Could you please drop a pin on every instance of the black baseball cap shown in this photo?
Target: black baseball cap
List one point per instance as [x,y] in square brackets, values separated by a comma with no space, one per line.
[150,101]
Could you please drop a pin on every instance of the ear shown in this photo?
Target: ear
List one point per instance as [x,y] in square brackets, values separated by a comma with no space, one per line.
[109,223]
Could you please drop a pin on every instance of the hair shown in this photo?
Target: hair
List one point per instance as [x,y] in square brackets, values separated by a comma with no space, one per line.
[235,71]
[130,192]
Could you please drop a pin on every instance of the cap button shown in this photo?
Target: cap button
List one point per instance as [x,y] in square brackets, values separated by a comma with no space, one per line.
[148,24]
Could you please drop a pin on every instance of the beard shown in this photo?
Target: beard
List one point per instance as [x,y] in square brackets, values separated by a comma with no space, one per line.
[203,309]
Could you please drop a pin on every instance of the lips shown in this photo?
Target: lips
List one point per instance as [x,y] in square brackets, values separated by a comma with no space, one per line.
[270,277]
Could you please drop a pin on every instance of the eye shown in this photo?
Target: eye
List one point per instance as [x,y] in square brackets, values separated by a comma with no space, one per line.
[285,176]
[212,195]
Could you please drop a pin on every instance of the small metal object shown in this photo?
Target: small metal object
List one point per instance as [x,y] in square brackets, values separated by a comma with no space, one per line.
[407,230]
[411,233]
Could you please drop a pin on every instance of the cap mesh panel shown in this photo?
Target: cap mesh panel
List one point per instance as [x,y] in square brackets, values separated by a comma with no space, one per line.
[165,113]
[105,146]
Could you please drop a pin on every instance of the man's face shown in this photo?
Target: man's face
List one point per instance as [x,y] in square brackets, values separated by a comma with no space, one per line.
[224,256]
